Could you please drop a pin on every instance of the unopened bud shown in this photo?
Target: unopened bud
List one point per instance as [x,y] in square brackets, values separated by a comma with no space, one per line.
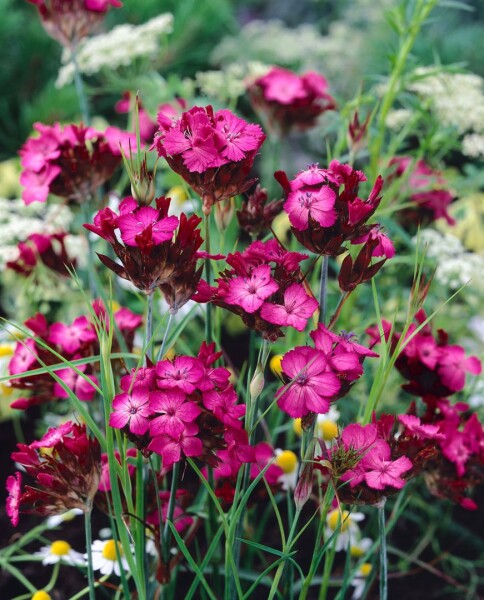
[257,384]
[224,211]
[304,485]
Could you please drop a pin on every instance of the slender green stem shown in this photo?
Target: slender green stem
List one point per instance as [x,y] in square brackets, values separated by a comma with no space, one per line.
[86,216]
[171,510]
[171,319]
[323,290]
[90,572]
[149,325]
[383,552]
[157,493]
[81,94]
[286,548]
[208,276]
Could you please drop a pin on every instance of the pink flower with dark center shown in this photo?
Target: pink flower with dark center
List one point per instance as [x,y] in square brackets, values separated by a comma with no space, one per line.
[312,385]
[224,406]
[251,291]
[71,337]
[24,357]
[306,203]
[132,411]
[14,484]
[381,472]
[172,449]
[235,136]
[81,388]
[183,373]
[146,220]
[385,245]
[453,366]
[175,413]
[145,376]
[414,426]
[298,307]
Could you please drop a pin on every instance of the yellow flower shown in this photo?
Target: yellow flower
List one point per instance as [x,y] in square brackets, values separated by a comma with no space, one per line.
[60,548]
[177,194]
[365,569]
[328,430]
[297,427]
[287,460]
[334,517]
[109,550]
[41,595]
[275,364]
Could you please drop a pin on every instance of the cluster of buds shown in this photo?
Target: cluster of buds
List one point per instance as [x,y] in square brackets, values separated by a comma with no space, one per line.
[71,162]
[290,101]
[68,21]
[74,341]
[180,408]
[317,376]
[264,286]
[256,215]
[423,186]
[212,151]
[431,365]
[66,466]
[158,250]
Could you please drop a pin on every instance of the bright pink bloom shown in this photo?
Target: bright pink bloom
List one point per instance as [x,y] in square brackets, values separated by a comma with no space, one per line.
[312,386]
[264,454]
[385,245]
[381,472]
[71,337]
[183,373]
[235,136]
[132,411]
[453,366]
[250,292]
[24,357]
[145,222]
[14,484]
[414,426]
[224,406]
[175,413]
[172,449]
[298,307]
[305,204]
[81,388]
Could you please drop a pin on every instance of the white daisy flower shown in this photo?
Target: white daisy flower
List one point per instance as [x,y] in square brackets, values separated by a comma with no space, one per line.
[288,462]
[60,551]
[56,520]
[105,557]
[326,425]
[360,547]
[347,525]
[359,581]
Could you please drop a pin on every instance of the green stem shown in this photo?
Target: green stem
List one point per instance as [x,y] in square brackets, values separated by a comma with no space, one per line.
[86,216]
[286,548]
[208,276]
[149,325]
[18,575]
[171,510]
[323,290]
[81,94]
[383,552]
[171,319]
[90,573]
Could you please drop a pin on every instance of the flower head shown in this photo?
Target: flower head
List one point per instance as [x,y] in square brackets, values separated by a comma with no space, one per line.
[60,551]
[108,557]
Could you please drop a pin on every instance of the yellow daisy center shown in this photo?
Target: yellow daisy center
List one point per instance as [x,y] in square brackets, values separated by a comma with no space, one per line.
[356,552]
[177,194]
[60,548]
[115,306]
[365,569]
[5,350]
[328,430]
[334,519]
[287,460]
[275,364]
[297,427]
[41,595]
[109,550]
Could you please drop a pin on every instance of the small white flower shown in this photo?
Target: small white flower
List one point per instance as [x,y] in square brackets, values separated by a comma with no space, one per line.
[288,462]
[105,557]
[359,581]
[60,551]
[56,520]
[327,425]
[347,524]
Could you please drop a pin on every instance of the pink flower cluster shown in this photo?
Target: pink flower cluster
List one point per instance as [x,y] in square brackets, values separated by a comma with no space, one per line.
[288,100]
[71,161]
[68,21]
[317,376]
[424,186]
[50,250]
[74,341]
[212,151]
[66,466]
[432,365]
[180,408]
[264,286]
[152,254]
[325,211]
